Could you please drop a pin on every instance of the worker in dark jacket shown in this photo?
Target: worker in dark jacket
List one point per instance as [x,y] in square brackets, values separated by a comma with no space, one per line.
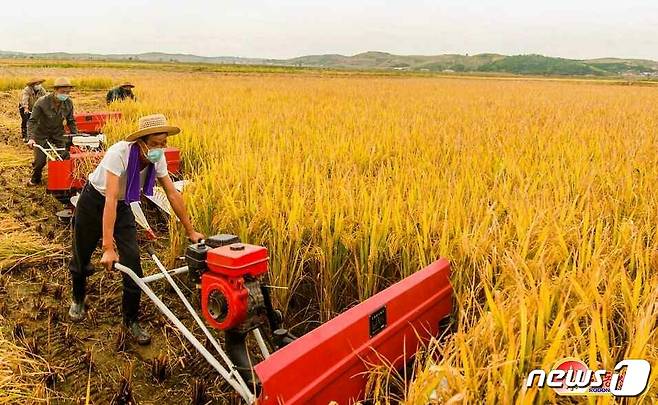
[121,93]
[30,94]
[46,124]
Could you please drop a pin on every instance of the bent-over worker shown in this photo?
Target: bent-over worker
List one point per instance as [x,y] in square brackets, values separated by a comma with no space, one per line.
[120,93]
[103,212]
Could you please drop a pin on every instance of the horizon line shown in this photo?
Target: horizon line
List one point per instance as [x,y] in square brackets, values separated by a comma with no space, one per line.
[467,54]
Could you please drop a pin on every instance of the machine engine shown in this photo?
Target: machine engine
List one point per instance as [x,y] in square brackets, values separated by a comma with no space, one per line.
[229,273]
[234,295]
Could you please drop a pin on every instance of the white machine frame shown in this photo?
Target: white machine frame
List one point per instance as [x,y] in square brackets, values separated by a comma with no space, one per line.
[228,371]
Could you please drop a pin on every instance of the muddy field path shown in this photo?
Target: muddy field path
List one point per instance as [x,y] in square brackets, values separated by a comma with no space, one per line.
[90,361]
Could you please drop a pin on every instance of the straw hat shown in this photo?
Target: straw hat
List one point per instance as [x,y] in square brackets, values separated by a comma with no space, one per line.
[152,124]
[127,84]
[35,80]
[62,82]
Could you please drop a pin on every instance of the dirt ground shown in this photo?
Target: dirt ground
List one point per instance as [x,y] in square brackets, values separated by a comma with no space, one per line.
[35,302]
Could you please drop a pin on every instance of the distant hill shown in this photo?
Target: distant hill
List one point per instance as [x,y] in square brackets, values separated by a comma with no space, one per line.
[144,57]
[383,60]
[486,62]
[542,65]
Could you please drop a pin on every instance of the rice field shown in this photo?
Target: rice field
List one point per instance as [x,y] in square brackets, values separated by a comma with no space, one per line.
[540,193]
[84,83]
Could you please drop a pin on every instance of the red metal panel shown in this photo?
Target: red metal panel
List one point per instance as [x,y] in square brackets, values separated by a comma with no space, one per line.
[92,123]
[59,175]
[327,364]
[237,260]
[172,155]
[61,172]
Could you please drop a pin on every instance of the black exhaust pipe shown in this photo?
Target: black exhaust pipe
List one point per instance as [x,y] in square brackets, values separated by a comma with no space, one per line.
[236,348]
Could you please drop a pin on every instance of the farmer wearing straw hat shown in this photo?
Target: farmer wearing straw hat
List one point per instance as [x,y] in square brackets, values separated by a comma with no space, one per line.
[121,93]
[46,124]
[30,94]
[128,168]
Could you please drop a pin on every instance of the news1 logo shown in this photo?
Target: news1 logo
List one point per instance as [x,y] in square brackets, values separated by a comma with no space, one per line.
[569,376]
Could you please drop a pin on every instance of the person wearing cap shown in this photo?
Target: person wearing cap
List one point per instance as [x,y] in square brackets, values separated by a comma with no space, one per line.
[121,93]
[30,94]
[46,124]
[128,168]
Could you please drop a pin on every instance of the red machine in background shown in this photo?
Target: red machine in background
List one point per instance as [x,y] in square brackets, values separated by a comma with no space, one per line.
[92,123]
[67,176]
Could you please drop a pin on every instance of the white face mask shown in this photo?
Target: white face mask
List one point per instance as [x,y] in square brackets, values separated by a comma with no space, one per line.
[38,87]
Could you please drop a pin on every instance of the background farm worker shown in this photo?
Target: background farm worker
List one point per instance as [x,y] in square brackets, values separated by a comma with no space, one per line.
[46,124]
[103,212]
[32,91]
[120,93]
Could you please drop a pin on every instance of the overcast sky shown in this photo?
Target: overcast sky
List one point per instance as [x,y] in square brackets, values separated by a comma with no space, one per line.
[289,28]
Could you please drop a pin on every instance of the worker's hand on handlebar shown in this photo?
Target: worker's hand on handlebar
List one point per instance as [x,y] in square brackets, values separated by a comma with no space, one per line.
[195,236]
[31,143]
[109,258]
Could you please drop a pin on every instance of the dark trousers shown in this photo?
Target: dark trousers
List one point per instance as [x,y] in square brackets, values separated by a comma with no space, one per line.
[24,117]
[88,230]
[40,159]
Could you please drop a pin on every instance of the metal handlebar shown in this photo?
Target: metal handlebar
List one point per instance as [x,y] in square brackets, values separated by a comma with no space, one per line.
[232,377]
[48,152]
[198,320]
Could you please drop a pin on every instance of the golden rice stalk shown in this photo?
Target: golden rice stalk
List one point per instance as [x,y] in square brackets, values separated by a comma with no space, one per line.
[85,164]
[21,374]
[23,247]
[12,157]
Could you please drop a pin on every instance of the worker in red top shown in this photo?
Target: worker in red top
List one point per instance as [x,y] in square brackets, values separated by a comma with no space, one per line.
[127,169]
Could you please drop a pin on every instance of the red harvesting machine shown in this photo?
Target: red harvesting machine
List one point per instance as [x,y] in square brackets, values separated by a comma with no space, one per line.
[65,177]
[93,123]
[329,363]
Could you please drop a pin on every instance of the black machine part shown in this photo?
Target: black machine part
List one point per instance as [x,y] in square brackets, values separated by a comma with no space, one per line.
[195,256]
[235,339]
[282,337]
[274,316]
[236,348]
[256,309]
[217,306]
[196,253]
[260,310]
[222,239]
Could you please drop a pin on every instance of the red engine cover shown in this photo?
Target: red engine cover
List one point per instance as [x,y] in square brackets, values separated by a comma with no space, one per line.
[330,363]
[92,123]
[238,260]
[235,294]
